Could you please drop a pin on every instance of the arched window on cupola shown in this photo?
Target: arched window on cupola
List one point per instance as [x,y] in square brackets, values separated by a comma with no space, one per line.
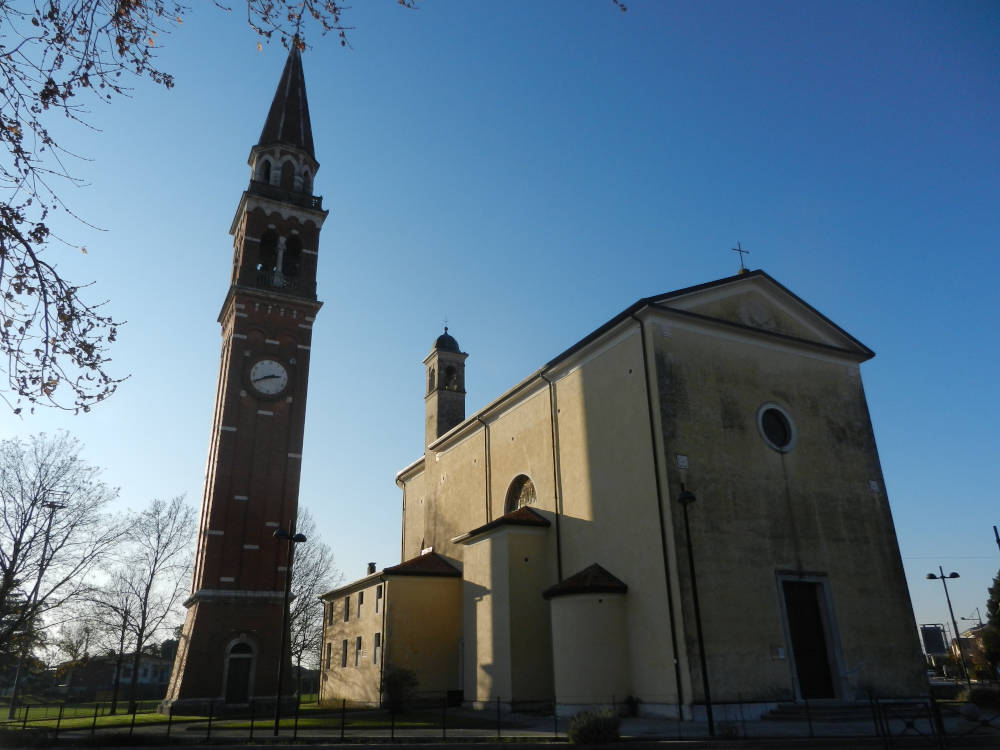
[264,171]
[292,256]
[520,493]
[307,183]
[287,175]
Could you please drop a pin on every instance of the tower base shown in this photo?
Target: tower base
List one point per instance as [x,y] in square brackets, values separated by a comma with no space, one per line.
[227,658]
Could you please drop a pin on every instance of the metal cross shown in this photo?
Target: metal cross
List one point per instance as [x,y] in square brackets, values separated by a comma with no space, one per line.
[739,249]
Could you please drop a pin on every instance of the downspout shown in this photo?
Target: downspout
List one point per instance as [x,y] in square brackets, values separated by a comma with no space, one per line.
[556,473]
[659,508]
[486,469]
[385,635]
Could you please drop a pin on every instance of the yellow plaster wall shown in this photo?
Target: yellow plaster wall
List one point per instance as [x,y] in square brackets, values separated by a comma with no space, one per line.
[530,573]
[486,622]
[610,505]
[590,654]
[355,683]
[424,630]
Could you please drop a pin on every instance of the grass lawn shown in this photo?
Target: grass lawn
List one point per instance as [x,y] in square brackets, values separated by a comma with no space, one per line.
[311,716]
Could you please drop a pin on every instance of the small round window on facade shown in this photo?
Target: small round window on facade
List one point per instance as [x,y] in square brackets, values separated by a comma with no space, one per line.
[776,427]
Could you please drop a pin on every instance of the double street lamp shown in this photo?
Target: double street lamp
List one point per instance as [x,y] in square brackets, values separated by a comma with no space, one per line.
[958,638]
[685,499]
[292,539]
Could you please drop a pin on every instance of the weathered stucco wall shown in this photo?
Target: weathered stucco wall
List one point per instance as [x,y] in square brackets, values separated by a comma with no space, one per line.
[818,509]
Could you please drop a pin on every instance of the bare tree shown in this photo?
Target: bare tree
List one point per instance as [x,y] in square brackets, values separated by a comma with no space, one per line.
[159,566]
[313,573]
[55,59]
[53,529]
[114,614]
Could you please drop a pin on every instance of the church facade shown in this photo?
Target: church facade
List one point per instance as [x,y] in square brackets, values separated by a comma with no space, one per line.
[684,508]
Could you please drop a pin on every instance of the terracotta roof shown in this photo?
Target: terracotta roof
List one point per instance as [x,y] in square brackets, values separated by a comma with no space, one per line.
[431,564]
[590,580]
[288,119]
[523,516]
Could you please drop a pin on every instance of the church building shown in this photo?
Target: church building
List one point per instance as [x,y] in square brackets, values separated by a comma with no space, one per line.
[683,509]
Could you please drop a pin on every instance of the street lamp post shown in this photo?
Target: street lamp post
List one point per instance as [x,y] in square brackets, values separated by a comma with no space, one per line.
[685,499]
[29,603]
[958,638]
[292,539]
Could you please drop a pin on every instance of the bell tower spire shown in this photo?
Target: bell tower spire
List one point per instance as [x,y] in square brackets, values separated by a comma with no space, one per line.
[228,651]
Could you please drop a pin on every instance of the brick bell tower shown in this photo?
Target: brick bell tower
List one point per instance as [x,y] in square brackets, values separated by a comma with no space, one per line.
[228,652]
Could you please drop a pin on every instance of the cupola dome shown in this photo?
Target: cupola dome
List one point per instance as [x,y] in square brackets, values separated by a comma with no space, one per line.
[446,343]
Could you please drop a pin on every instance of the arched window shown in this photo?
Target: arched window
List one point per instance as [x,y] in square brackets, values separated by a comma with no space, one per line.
[430,379]
[520,493]
[307,183]
[264,171]
[287,175]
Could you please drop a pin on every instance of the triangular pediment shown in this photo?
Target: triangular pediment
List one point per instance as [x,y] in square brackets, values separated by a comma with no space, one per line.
[756,301]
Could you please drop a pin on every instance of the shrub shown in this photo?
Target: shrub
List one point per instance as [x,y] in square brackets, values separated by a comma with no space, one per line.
[397,688]
[593,728]
[985,697]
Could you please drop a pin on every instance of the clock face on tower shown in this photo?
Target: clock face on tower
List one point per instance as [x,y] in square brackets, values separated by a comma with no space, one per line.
[268,377]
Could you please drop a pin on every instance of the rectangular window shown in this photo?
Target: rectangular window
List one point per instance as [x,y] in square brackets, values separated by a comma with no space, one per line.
[329,613]
[361,600]
[329,654]
[357,651]
[378,598]
[378,646]
[343,653]
[347,608]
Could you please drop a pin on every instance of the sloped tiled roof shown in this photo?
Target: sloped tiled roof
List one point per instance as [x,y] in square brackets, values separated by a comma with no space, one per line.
[591,580]
[430,564]
[288,119]
[523,516]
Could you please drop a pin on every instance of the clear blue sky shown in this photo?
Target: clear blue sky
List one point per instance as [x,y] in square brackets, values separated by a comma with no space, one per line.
[527,170]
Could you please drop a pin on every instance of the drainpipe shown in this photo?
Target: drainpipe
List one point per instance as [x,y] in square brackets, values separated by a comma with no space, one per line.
[383,581]
[659,508]
[556,474]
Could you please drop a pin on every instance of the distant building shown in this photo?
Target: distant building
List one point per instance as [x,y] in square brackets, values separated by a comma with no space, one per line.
[544,540]
[95,676]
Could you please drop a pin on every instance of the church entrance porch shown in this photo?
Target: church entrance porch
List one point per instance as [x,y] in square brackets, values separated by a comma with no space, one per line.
[809,628]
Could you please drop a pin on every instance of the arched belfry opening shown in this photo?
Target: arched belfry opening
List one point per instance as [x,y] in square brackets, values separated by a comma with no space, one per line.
[268,253]
[291,257]
[520,493]
[240,662]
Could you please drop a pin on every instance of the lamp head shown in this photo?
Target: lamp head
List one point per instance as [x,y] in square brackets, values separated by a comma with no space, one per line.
[930,576]
[953,574]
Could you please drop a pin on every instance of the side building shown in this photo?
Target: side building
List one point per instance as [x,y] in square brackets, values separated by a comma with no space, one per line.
[715,439]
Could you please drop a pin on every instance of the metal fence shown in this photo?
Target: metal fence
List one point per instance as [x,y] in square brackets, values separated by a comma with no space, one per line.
[429,716]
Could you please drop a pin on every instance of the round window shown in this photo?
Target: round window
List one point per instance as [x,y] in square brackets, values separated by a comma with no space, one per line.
[776,427]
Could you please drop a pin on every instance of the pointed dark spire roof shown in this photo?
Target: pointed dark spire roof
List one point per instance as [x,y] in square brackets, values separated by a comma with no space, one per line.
[288,119]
